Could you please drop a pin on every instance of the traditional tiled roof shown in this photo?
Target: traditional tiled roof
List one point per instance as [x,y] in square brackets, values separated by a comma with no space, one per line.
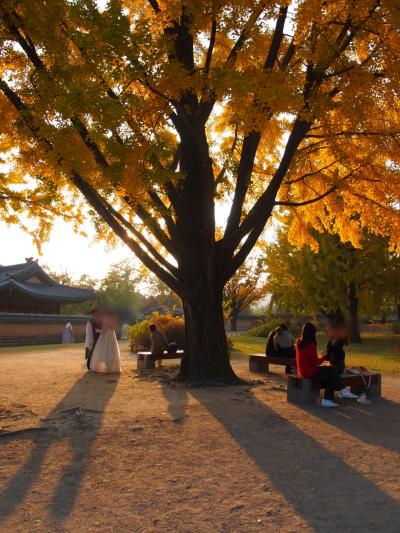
[31,280]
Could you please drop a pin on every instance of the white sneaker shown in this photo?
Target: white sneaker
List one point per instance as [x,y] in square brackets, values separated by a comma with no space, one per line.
[344,393]
[328,403]
[363,400]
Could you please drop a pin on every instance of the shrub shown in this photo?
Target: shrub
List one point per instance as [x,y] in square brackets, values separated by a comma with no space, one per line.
[396,327]
[271,323]
[173,327]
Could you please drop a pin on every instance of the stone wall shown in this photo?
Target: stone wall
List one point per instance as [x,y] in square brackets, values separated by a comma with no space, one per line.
[18,329]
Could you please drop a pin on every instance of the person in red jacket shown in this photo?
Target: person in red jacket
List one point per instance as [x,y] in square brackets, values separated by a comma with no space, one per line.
[309,365]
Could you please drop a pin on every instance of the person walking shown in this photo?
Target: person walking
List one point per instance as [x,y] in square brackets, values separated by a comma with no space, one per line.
[68,334]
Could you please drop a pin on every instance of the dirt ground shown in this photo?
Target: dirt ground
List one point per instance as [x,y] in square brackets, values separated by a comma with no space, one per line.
[136,454]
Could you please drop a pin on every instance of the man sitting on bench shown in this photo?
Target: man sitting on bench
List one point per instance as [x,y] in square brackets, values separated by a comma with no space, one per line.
[280,343]
[159,343]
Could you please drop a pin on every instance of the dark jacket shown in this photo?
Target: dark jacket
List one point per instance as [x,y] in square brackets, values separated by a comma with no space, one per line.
[335,354]
[270,348]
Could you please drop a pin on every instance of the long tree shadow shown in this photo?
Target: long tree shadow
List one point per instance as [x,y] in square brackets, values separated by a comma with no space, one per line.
[377,424]
[328,493]
[77,419]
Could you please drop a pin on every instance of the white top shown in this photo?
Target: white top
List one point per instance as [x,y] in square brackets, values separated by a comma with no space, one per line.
[89,339]
[283,339]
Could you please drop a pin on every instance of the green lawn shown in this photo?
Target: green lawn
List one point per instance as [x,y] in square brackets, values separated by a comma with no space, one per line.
[377,352]
[36,348]
[5,350]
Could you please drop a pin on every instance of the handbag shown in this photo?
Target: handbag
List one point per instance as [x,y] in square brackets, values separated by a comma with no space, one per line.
[172,347]
[363,373]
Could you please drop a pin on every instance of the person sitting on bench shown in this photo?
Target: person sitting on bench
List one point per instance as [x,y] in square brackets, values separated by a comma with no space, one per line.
[269,347]
[159,343]
[284,344]
[271,351]
[334,351]
[309,365]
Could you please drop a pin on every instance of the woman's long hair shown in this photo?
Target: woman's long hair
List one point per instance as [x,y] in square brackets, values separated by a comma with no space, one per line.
[308,334]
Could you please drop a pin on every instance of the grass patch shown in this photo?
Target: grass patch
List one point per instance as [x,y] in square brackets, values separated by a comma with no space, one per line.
[37,348]
[378,352]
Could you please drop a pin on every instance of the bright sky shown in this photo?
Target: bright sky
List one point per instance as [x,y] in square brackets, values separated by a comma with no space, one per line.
[65,250]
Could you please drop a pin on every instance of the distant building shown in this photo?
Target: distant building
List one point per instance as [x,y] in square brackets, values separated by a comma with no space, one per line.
[30,303]
[26,288]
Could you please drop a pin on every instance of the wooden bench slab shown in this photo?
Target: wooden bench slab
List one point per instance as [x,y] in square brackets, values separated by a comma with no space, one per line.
[146,361]
[260,362]
[307,391]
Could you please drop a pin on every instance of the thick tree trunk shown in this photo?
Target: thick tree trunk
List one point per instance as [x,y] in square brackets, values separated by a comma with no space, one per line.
[207,356]
[200,271]
[355,335]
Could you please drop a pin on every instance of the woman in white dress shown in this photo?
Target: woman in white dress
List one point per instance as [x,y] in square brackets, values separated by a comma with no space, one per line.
[106,358]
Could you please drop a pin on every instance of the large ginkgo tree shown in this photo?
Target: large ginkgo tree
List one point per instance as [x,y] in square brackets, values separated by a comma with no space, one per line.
[158,112]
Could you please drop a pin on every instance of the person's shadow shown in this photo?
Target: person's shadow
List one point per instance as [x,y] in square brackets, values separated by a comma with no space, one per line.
[77,419]
[327,492]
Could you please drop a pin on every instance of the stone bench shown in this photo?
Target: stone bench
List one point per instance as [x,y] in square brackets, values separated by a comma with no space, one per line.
[260,362]
[146,361]
[307,391]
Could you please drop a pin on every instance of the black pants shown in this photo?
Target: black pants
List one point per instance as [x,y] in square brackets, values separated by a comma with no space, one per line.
[330,380]
[88,356]
[287,352]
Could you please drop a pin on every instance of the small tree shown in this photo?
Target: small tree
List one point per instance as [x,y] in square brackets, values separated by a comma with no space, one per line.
[245,288]
[335,278]
[117,289]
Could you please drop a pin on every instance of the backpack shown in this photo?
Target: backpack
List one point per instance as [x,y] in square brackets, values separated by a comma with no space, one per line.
[172,347]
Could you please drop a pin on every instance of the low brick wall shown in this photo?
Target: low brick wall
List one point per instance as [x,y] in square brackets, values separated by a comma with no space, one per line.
[19,329]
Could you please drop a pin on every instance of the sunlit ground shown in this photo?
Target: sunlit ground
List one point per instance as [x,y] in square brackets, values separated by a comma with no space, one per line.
[141,454]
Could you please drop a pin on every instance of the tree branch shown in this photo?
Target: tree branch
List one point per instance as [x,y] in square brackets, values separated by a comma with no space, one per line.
[244,34]
[30,50]
[308,174]
[100,205]
[252,139]
[319,196]
[261,210]
[85,136]
[155,6]
[155,228]
[211,45]
[97,204]
[307,202]
[276,39]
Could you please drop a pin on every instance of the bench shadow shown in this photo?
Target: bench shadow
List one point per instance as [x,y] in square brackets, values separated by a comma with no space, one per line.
[66,424]
[377,424]
[301,469]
